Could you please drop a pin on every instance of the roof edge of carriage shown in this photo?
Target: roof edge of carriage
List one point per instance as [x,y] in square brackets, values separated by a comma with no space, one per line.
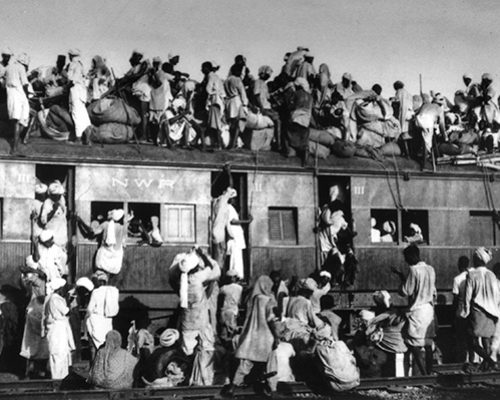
[45,151]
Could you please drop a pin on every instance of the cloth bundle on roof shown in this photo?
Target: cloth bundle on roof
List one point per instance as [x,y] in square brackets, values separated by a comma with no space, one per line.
[55,123]
[321,136]
[258,139]
[112,133]
[317,149]
[112,110]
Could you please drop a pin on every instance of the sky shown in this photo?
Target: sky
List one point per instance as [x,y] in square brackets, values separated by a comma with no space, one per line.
[377,41]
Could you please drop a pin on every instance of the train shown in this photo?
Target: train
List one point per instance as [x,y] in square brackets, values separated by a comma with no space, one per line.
[454,206]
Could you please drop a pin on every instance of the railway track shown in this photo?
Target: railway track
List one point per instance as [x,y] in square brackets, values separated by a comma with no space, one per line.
[445,376]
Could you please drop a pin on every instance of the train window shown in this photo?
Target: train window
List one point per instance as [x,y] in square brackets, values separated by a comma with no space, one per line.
[180,223]
[99,210]
[142,222]
[415,225]
[482,230]
[283,225]
[384,226]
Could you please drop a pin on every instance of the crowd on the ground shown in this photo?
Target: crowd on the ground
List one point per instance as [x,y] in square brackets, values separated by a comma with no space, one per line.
[225,332]
[300,111]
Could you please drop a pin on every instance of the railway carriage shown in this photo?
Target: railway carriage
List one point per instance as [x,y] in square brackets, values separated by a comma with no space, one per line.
[453,206]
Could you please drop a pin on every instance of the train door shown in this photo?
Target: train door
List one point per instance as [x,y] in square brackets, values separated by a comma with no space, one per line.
[46,173]
[340,188]
[220,181]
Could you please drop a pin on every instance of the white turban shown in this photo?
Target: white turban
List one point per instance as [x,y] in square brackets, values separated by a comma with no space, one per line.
[347,76]
[41,188]
[74,52]
[186,263]
[24,59]
[169,337]
[487,76]
[86,283]
[382,297]
[389,227]
[265,69]
[55,284]
[483,254]
[116,214]
[101,276]
[416,228]
[7,51]
[46,235]
[366,315]
[325,274]
[467,76]
[308,284]
[56,188]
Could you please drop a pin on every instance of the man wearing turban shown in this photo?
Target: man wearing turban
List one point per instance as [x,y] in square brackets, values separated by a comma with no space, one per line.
[53,214]
[482,297]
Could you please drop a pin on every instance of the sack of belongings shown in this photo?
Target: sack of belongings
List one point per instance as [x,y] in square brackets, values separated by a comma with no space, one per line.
[343,149]
[390,149]
[112,110]
[322,137]
[55,123]
[258,139]
[338,365]
[112,133]
[317,149]
[252,120]
[449,149]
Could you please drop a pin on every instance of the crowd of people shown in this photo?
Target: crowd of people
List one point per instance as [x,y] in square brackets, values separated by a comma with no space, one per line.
[225,332]
[300,111]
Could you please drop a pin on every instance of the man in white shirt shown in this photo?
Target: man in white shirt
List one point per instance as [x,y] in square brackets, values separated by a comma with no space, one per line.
[463,350]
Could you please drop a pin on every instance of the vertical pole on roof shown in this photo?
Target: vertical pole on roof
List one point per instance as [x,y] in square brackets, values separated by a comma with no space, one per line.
[420,81]
[317,252]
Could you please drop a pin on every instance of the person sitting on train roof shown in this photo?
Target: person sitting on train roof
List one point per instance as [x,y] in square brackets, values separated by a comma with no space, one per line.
[300,106]
[113,367]
[50,258]
[463,351]
[343,88]
[7,55]
[18,108]
[261,100]
[482,297]
[100,78]
[487,113]
[58,78]
[385,332]
[471,90]
[427,118]
[103,306]
[78,95]
[188,275]
[420,288]
[306,69]
[53,214]
[57,329]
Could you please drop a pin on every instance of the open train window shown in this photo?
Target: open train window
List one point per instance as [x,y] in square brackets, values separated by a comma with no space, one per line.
[180,223]
[415,225]
[482,229]
[99,210]
[384,226]
[143,219]
[283,225]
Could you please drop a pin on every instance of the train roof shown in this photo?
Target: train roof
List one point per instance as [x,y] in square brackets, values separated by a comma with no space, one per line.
[40,150]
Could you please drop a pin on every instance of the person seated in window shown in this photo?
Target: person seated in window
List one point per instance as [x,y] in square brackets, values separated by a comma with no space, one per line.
[415,234]
[375,233]
[389,228]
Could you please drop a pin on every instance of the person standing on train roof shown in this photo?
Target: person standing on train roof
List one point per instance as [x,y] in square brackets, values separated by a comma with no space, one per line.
[103,306]
[7,55]
[78,94]
[481,305]
[471,90]
[58,330]
[18,108]
[53,214]
[189,275]
[50,258]
[420,288]
[214,92]
[464,351]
